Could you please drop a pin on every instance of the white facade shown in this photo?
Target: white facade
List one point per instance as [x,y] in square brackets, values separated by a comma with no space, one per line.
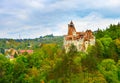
[80,44]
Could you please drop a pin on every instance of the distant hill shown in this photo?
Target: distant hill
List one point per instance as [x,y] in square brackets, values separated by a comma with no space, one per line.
[33,43]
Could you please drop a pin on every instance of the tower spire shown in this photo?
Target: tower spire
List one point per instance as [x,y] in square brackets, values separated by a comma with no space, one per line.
[71,22]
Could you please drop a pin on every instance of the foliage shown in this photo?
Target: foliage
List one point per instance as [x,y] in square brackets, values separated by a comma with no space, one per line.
[108,68]
[51,64]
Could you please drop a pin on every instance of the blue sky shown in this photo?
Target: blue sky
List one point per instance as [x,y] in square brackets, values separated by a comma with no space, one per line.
[34,18]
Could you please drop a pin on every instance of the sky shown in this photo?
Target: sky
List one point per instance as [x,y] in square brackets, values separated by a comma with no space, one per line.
[35,18]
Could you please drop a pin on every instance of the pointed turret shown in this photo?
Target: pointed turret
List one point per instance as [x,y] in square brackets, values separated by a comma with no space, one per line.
[71,23]
[71,28]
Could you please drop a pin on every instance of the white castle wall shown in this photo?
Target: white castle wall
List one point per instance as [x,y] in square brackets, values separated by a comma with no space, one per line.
[78,43]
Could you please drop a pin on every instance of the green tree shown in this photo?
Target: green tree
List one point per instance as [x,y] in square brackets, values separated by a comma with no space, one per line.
[6,70]
[66,66]
[99,48]
[20,69]
[118,67]
[108,68]
[99,33]
[106,43]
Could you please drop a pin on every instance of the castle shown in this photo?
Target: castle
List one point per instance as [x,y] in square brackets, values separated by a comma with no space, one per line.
[80,39]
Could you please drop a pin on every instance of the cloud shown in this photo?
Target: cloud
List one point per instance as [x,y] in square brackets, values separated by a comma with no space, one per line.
[33,3]
[32,18]
[92,21]
[66,5]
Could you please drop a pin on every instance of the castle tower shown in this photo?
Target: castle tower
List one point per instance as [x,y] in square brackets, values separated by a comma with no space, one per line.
[71,28]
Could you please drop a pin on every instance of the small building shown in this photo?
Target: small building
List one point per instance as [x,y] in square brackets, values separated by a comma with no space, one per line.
[80,39]
[26,51]
[11,53]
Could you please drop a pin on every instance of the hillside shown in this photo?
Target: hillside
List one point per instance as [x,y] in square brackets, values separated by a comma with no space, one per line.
[25,43]
[49,63]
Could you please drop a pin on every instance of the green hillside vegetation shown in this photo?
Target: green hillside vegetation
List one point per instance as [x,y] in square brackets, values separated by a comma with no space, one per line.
[50,64]
[30,43]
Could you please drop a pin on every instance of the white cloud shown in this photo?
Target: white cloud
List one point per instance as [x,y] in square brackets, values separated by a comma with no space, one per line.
[92,21]
[18,14]
[83,4]
[34,3]
[113,3]
[30,17]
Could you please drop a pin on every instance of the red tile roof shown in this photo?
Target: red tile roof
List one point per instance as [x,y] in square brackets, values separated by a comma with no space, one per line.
[71,31]
[28,51]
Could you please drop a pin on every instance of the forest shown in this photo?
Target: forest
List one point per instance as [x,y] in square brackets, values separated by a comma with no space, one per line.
[49,63]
